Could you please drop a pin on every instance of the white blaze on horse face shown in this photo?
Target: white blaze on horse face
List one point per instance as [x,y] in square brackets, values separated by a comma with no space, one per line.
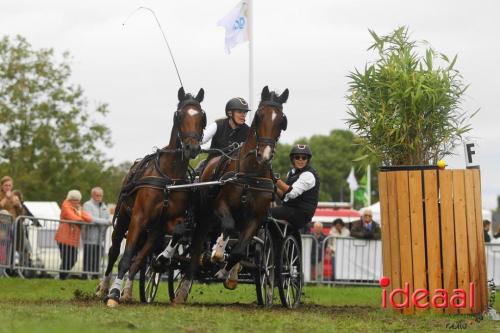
[266,154]
[273,116]
[192,112]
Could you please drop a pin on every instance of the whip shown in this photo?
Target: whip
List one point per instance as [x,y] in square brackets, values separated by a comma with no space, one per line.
[163,34]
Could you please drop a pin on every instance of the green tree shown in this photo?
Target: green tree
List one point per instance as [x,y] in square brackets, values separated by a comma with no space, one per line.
[50,142]
[404,106]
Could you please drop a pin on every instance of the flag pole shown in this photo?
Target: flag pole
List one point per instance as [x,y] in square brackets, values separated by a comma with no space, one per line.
[369,184]
[250,60]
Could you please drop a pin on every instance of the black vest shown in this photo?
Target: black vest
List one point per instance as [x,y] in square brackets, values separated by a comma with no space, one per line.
[226,135]
[308,200]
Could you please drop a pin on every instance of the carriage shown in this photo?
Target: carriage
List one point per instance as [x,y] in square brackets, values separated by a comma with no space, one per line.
[273,258]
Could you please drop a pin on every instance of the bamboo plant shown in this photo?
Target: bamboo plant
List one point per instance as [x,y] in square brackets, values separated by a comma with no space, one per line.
[406,107]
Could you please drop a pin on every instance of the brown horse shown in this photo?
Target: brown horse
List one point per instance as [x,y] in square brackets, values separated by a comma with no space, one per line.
[145,209]
[248,198]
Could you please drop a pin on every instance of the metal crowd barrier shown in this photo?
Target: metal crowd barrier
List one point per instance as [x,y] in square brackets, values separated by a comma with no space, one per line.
[35,252]
[6,242]
[28,248]
[359,262]
[493,262]
[352,261]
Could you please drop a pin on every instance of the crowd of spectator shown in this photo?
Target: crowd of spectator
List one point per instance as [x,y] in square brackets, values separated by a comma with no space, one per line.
[365,228]
[85,227]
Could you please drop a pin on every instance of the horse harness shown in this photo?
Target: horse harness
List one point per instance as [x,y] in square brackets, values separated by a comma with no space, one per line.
[136,182]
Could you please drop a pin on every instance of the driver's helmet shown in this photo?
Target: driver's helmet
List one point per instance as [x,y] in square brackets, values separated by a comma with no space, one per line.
[300,149]
[236,103]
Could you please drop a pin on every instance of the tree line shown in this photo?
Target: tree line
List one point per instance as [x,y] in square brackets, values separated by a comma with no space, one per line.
[52,140]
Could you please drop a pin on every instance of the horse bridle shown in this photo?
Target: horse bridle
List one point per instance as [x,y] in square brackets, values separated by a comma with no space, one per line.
[178,117]
[267,140]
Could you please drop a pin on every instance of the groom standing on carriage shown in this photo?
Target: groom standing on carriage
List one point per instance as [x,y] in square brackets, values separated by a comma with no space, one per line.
[300,192]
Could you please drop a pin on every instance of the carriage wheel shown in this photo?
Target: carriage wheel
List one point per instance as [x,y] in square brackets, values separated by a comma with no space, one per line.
[149,280]
[175,278]
[264,275]
[290,273]
[176,273]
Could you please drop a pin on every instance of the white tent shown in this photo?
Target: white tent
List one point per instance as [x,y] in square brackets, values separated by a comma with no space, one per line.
[44,210]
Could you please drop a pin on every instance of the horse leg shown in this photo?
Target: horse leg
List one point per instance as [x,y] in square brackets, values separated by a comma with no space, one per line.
[197,241]
[169,251]
[113,253]
[136,264]
[223,214]
[238,253]
[137,224]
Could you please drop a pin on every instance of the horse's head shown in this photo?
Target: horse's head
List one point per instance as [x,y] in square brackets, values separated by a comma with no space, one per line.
[268,122]
[190,121]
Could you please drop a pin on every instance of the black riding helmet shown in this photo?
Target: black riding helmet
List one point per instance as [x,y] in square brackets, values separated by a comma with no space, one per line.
[300,149]
[236,103]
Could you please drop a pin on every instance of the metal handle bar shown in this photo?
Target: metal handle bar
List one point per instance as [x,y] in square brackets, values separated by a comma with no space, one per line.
[202,184]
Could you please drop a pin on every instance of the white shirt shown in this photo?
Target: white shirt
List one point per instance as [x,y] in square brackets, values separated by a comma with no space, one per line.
[305,182]
[209,132]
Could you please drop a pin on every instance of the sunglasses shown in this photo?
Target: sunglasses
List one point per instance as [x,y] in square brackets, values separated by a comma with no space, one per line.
[300,157]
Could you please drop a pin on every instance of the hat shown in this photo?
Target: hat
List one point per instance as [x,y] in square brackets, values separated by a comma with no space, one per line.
[300,149]
[74,195]
[237,103]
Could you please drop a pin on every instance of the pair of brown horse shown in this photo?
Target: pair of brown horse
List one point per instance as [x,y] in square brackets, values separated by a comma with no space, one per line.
[147,210]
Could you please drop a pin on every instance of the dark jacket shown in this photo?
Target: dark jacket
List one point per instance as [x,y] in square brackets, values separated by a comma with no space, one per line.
[358,230]
[307,201]
[226,135]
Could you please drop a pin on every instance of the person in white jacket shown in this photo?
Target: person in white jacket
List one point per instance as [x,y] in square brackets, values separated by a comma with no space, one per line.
[338,229]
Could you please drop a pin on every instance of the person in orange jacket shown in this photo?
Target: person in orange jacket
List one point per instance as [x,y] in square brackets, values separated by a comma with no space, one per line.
[68,234]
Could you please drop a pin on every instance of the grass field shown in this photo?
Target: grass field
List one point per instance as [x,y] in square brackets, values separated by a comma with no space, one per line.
[68,306]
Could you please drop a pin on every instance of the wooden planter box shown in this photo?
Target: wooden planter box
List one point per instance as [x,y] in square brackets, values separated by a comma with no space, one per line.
[432,233]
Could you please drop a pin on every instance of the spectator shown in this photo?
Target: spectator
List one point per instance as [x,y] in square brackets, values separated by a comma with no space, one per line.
[68,234]
[317,232]
[93,237]
[338,230]
[8,200]
[366,228]
[487,226]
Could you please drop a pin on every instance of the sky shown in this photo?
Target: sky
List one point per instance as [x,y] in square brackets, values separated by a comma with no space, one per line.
[308,47]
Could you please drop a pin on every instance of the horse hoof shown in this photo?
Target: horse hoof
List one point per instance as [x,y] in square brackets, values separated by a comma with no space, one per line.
[230,284]
[101,292]
[232,280]
[111,303]
[126,296]
[112,299]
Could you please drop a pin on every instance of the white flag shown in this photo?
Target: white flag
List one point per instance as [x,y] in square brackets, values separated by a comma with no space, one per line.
[236,25]
[351,179]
